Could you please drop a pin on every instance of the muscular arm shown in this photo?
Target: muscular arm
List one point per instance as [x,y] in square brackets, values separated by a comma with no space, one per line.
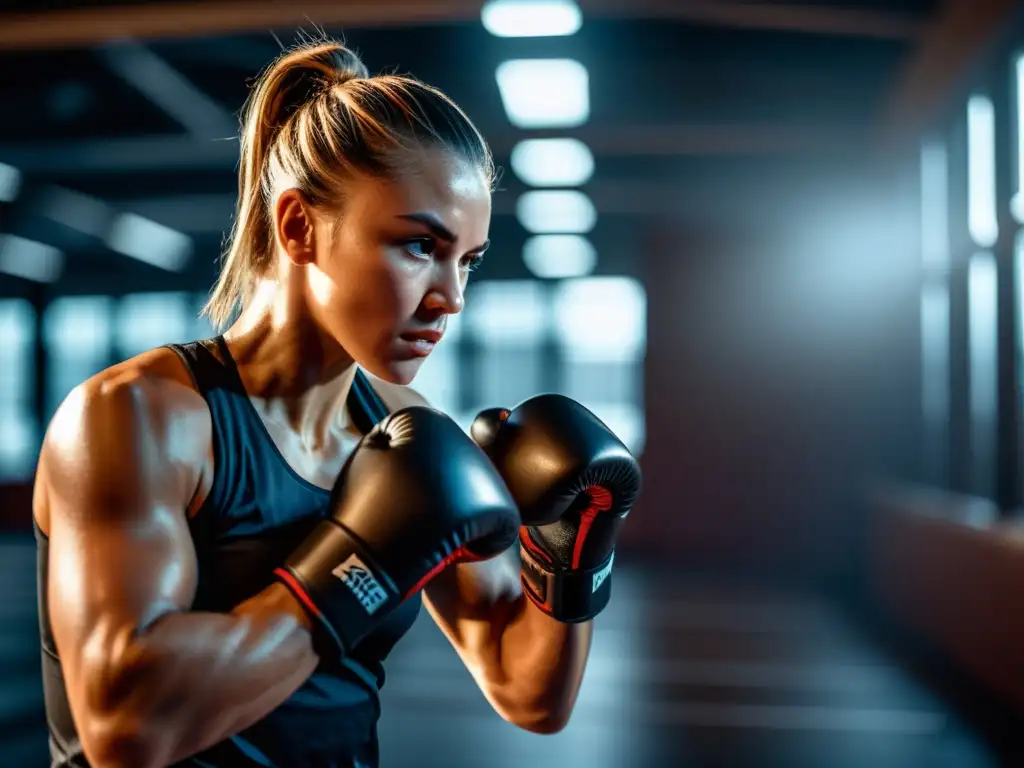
[528,666]
[149,683]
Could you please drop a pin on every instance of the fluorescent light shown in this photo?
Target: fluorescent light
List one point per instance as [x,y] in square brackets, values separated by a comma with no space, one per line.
[544,93]
[163,85]
[531,18]
[981,171]
[87,214]
[30,260]
[152,243]
[563,211]
[559,256]
[553,162]
[10,183]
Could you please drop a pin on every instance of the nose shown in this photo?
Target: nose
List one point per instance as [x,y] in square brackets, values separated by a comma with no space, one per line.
[446,292]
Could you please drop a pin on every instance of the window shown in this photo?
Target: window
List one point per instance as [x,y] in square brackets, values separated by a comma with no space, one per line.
[18,425]
[935,317]
[601,319]
[601,326]
[584,338]
[935,373]
[934,206]
[1017,202]
[983,371]
[508,323]
[148,320]
[78,333]
[202,328]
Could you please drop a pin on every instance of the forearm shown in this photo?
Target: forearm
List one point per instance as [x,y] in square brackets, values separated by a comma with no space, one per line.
[540,665]
[194,679]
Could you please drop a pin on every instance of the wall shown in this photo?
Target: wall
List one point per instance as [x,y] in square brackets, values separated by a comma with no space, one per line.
[781,373]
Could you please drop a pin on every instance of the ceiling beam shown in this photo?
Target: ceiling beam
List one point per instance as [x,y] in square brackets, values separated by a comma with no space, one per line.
[957,40]
[168,89]
[770,16]
[185,153]
[189,18]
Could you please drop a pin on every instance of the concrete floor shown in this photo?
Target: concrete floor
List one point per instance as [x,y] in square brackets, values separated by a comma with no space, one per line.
[681,674]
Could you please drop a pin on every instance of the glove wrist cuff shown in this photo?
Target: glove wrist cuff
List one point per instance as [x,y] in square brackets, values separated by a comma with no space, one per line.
[338,584]
[570,596]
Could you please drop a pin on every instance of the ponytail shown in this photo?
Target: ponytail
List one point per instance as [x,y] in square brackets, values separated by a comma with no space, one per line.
[281,91]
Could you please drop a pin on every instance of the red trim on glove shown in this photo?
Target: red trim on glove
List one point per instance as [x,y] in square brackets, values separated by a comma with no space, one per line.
[460,555]
[531,546]
[600,501]
[293,584]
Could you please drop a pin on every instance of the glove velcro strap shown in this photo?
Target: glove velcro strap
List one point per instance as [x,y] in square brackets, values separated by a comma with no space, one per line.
[337,582]
[570,596]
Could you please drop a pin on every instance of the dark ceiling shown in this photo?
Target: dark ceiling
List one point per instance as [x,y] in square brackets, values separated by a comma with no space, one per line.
[692,104]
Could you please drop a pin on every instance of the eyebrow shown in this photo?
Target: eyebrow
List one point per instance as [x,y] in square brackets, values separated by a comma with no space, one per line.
[438,229]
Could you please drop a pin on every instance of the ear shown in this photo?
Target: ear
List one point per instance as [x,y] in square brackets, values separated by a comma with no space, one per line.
[294,227]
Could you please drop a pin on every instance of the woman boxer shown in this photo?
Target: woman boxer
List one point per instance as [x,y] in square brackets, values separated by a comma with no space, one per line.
[190,616]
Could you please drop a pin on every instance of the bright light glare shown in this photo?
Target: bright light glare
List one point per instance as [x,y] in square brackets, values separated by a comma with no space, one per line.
[531,18]
[563,211]
[148,241]
[553,162]
[30,260]
[601,319]
[544,93]
[559,256]
[981,171]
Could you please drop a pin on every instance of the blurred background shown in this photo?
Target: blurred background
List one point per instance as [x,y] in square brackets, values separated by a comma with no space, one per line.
[774,245]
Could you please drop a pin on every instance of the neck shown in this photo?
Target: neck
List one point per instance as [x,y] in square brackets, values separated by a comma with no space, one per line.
[296,373]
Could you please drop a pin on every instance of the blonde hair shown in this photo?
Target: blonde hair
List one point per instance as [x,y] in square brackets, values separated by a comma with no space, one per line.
[318,117]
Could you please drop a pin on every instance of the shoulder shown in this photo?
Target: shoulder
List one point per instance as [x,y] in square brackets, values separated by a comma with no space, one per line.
[154,386]
[396,396]
[142,418]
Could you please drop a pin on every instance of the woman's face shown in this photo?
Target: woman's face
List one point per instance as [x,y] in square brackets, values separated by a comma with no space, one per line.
[390,271]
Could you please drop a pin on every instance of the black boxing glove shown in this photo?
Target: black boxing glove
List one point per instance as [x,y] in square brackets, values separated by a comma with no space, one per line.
[416,495]
[574,483]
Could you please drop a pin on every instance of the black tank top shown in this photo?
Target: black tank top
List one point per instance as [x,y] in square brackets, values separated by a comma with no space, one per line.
[257,511]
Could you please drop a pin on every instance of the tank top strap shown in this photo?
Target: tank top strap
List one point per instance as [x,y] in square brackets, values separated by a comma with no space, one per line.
[364,404]
[208,372]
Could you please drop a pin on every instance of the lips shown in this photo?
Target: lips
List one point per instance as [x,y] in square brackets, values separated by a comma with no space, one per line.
[421,343]
[428,336]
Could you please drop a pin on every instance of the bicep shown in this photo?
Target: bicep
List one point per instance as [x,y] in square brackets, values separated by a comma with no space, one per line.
[120,552]
[471,601]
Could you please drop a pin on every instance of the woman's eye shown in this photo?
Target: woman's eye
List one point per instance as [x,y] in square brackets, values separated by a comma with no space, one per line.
[470,263]
[421,247]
